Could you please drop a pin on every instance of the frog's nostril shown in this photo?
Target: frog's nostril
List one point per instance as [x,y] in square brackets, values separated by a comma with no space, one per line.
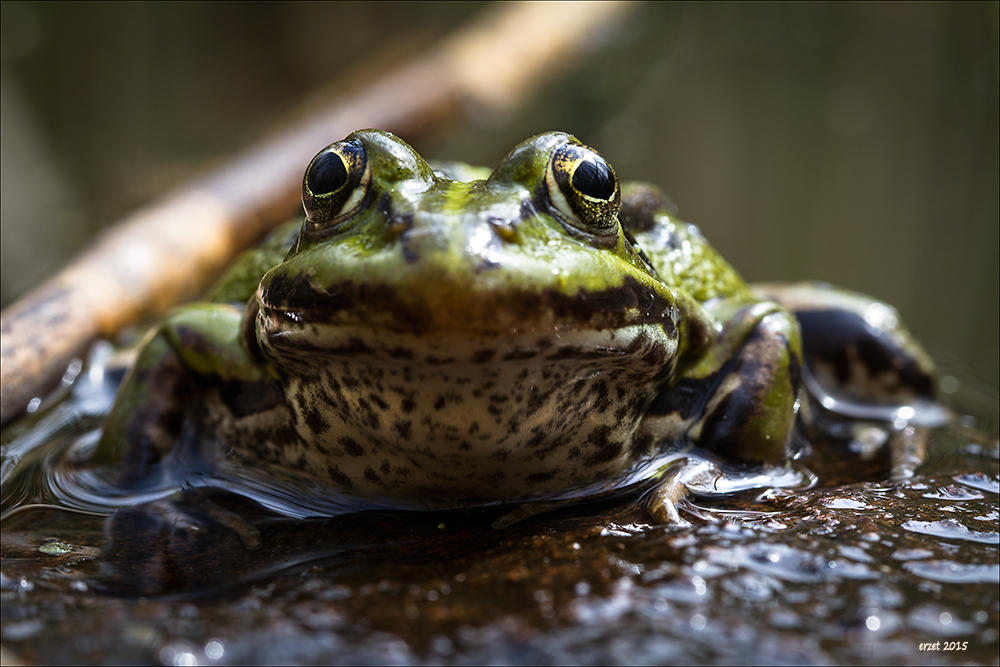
[399,226]
[504,229]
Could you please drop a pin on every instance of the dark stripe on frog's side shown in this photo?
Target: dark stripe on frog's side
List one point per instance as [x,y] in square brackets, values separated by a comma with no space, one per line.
[598,309]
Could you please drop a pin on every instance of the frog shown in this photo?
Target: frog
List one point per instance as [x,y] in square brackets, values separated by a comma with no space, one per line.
[441,336]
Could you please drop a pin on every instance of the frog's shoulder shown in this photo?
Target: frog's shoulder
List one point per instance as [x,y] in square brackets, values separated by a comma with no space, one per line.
[241,279]
[676,249]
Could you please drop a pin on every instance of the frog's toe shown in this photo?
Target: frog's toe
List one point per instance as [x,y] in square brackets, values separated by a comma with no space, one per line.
[662,506]
[675,484]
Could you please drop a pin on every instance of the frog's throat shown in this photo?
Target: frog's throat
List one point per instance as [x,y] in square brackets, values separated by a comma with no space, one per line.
[478,418]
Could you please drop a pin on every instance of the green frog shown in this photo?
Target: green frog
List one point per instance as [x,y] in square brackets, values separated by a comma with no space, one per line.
[447,337]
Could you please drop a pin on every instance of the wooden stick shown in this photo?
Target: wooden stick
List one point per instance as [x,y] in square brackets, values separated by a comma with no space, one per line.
[169,251]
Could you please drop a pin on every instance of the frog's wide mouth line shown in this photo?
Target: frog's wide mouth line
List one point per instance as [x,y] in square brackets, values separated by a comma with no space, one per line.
[654,345]
[472,309]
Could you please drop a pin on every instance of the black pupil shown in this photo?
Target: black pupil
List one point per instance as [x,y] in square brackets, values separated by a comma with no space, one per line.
[328,174]
[593,178]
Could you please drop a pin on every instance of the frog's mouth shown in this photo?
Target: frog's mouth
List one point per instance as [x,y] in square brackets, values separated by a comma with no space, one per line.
[643,350]
[292,304]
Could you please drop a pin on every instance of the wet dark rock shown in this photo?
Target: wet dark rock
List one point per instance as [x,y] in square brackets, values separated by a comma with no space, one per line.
[867,572]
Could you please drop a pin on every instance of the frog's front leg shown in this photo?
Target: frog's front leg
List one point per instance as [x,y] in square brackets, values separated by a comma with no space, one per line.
[738,401]
[195,350]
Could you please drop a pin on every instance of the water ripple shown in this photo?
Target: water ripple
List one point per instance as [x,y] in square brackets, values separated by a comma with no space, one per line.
[952,530]
[948,572]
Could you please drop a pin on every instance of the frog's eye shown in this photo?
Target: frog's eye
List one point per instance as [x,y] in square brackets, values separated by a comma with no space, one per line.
[584,190]
[335,183]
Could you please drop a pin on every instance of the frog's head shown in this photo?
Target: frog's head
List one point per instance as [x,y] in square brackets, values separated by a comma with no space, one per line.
[415,297]
[390,243]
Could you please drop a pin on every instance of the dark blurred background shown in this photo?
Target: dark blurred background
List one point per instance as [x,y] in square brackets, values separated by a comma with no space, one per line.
[853,143]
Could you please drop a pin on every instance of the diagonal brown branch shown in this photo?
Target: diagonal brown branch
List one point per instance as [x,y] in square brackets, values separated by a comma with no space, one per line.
[166,252]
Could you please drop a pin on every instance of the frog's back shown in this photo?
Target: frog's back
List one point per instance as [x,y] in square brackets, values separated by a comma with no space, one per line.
[676,249]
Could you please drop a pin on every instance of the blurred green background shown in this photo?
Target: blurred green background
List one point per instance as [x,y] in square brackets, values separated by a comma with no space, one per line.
[853,143]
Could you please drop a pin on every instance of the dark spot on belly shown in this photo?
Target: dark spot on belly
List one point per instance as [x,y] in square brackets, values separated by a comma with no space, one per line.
[495,476]
[315,420]
[438,361]
[602,400]
[542,477]
[536,401]
[352,347]
[501,455]
[372,476]
[325,397]
[602,448]
[352,447]
[370,418]
[520,354]
[408,405]
[377,400]
[483,356]
[337,475]
[402,428]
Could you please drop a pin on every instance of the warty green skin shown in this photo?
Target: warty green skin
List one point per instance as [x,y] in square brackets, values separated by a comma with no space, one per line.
[462,337]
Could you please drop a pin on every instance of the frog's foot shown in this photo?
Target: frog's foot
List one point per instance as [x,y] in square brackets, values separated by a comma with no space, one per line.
[675,485]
